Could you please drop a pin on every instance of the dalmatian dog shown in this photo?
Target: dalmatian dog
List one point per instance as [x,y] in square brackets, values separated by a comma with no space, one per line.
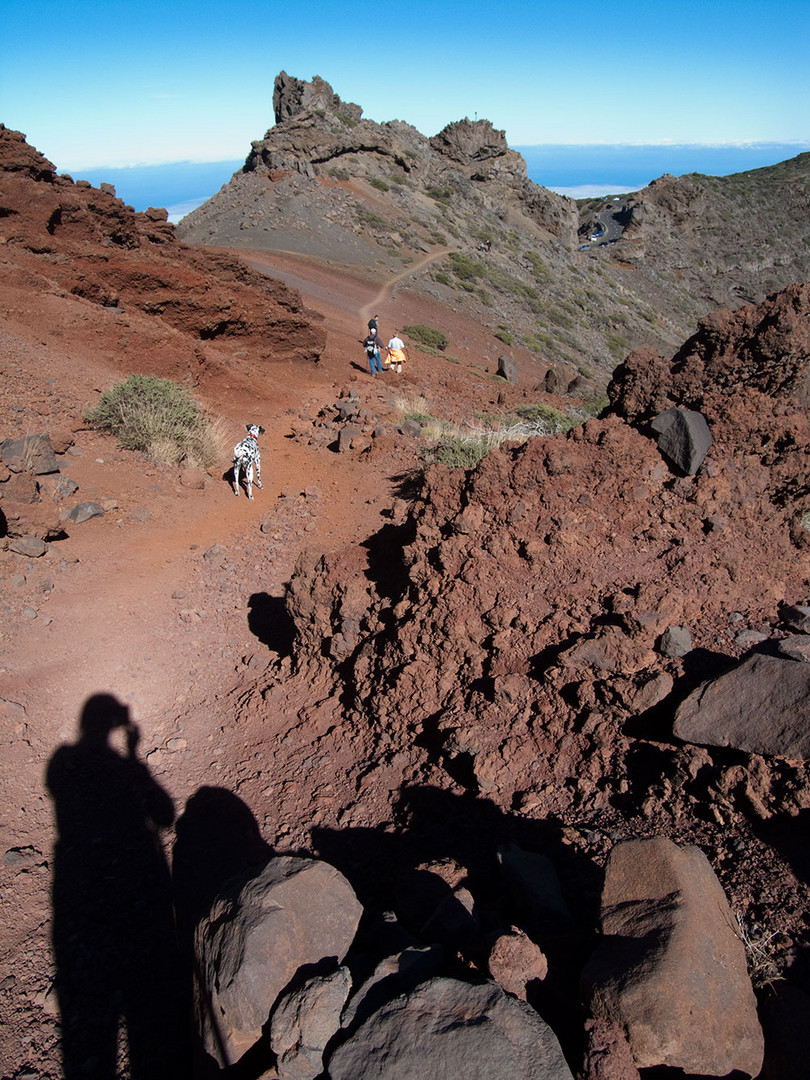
[246,454]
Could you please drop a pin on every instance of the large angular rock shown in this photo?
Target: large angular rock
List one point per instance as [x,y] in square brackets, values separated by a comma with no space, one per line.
[33,453]
[447,1028]
[257,936]
[671,969]
[683,438]
[394,976]
[507,369]
[762,707]
[292,96]
[304,1021]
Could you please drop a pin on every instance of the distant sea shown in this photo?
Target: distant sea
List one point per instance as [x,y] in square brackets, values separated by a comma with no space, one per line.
[578,171]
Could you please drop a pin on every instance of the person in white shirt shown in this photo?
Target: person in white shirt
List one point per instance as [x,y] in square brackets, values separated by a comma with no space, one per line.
[397,353]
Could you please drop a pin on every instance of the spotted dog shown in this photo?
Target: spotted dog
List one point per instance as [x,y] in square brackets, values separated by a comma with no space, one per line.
[246,454]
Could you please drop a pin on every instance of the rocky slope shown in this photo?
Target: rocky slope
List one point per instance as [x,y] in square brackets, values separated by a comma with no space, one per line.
[459,688]
[521,636]
[579,286]
[78,240]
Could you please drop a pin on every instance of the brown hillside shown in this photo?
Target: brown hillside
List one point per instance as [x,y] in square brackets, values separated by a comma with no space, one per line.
[398,671]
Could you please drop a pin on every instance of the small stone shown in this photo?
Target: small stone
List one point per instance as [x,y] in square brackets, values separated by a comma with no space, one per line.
[216,554]
[796,648]
[746,639]
[30,546]
[675,641]
[84,511]
[21,856]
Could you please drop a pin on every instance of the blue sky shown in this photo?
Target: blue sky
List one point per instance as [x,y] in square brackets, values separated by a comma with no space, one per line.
[106,82]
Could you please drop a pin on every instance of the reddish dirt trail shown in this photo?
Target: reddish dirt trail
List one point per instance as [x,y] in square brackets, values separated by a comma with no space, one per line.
[129,605]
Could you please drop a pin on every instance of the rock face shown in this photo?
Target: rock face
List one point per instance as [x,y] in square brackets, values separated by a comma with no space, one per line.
[254,940]
[51,222]
[449,1028]
[672,970]
[292,96]
[762,707]
[669,222]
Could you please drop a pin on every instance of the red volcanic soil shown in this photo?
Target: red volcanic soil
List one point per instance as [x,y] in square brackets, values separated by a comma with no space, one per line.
[172,602]
[507,647]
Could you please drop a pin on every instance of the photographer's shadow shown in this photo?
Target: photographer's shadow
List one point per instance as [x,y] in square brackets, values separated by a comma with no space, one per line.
[114,938]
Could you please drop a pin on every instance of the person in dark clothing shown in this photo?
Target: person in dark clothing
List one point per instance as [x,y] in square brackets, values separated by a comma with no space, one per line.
[371,345]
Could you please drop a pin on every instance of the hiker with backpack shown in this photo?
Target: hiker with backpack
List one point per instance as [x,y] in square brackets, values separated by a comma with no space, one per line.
[371,344]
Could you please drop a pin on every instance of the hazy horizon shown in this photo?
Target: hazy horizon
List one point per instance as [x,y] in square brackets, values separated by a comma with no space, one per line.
[577,170]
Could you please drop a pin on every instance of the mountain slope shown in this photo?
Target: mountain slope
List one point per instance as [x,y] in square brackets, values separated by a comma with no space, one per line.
[326,182]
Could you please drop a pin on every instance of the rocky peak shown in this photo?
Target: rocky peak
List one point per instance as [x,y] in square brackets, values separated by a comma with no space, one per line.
[17,156]
[292,96]
[470,140]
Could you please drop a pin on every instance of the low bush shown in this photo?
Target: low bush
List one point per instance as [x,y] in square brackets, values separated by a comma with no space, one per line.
[379,184]
[440,194]
[160,419]
[463,448]
[427,335]
[546,419]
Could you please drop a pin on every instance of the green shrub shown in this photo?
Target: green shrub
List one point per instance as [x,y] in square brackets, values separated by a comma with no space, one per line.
[504,336]
[617,345]
[379,184]
[440,194]
[349,121]
[466,268]
[160,419]
[546,415]
[539,269]
[443,279]
[426,335]
[458,452]
[372,220]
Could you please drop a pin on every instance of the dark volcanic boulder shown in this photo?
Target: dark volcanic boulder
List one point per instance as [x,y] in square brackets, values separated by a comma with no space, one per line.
[304,1021]
[683,438]
[447,1028]
[762,707]
[671,969]
[507,369]
[257,936]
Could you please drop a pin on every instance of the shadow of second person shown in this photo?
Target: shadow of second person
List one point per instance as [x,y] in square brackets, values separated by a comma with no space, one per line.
[113,928]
